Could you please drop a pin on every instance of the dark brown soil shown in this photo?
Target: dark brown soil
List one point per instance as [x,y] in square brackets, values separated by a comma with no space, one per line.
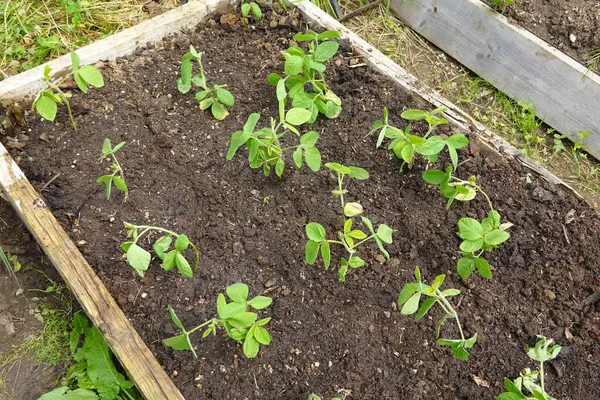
[327,336]
[559,22]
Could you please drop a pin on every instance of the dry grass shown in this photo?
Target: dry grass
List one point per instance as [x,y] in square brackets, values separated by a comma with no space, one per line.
[34,31]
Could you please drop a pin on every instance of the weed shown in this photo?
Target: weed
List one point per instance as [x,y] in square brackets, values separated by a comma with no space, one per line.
[117,176]
[405,145]
[217,97]
[94,374]
[477,238]
[527,381]
[51,95]
[594,60]
[410,298]
[240,324]
[139,259]
[302,69]
[264,145]
[502,4]
[251,7]
[317,236]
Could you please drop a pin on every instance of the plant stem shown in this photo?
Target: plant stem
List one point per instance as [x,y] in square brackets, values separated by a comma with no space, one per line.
[203,324]
[68,106]
[362,241]
[542,377]
[450,310]
[340,181]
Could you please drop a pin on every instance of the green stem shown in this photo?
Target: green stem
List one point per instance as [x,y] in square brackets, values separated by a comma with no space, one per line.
[212,320]
[450,310]
[362,241]
[542,377]
[340,181]
[68,106]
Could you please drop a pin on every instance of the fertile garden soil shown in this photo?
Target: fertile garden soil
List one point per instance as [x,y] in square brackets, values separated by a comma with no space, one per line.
[328,337]
[556,20]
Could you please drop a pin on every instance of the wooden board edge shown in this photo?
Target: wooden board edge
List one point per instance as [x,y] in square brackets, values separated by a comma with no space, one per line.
[569,117]
[123,43]
[455,115]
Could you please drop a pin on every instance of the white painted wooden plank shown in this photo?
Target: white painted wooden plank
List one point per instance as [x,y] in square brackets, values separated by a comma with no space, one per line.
[455,115]
[120,44]
[514,60]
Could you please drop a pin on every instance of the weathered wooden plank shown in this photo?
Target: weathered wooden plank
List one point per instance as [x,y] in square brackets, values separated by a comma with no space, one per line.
[120,44]
[514,60]
[126,344]
[455,115]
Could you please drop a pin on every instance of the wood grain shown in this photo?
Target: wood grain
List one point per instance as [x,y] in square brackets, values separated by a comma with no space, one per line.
[126,344]
[455,115]
[565,95]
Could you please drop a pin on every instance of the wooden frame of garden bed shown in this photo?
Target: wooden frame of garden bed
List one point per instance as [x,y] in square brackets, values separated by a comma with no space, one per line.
[565,94]
[126,344]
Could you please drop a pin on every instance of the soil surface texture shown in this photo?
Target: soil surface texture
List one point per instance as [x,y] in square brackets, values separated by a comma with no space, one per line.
[329,338]
[571,26]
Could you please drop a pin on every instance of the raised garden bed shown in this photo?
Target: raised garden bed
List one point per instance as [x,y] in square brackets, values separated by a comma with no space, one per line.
[572,27]
[327,336]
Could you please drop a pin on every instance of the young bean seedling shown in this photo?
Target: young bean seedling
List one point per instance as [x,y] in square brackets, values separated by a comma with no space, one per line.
[349,238]
[527,382]
[410,298]
[47,100]
[405,145]
[240,324]
[251,7]
[264,145]
[217,97]
[479,237]
[305,70]
[454,188]
[139,259]
[117,176]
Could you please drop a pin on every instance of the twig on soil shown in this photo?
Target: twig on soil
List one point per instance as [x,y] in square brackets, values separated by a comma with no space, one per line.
[45,186]
[566,236]
[358,11]
[591,299]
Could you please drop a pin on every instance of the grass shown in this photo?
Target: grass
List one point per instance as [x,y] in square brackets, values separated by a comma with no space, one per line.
[515,121]
[594,61]
[35,31]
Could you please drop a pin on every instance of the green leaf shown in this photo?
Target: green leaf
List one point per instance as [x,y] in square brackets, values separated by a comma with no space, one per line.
[352,209]
[356,262]
[238,139]
[245,9]
[75,62]
[309,139]
[80,82]
[297,156]
[170,260]
[243,320]
[262,335]
[225,97]
[230,310]
[412,304]
[256,10]
[326,254]
[483,267]
[260,302]
[45,105]
[339,168]
[183,266]
[367,222]
[217,110]
[471,246]
[304,37]
[432,146]
[273,78]
[465,267]
[313,158]
[281,92]
[311,251]
[510,396]
[414,115]
[204,104]
[357,234]
[92,76]
[425,306]
[315,232]
[175,319]
[297,116]
[182,242]
[179,342]
[326,50]
[200,81]
[434,176]
[64,393]
[458,141]
[328,35]
[451,292]
[496,237]
[358,173]
[469,229]
[293,64]
[251,347]
[384,233]
[279,166]
[161,246]
[238,292]
[138,258]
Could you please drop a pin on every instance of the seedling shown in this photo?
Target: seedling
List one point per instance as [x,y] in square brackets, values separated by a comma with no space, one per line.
[479,237]
[317,237]
[410,298]
[405,145]
[217,97]
[527,381]
[139,259]
[117,176]
[454,188]
[502,4]
[47,100]
[304,70]
[264,146]
[251,7]
[240,324]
